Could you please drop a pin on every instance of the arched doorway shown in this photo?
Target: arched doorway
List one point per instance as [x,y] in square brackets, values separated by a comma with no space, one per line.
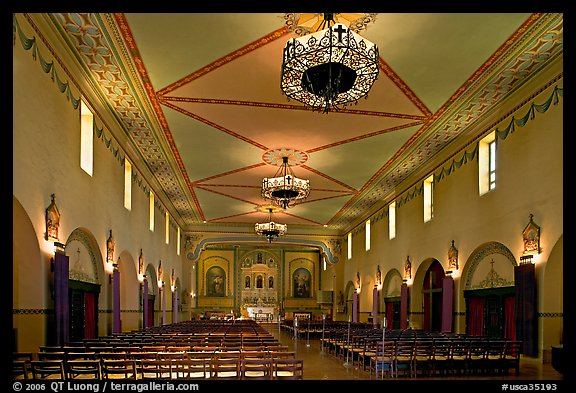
[489,292]
[432,297]
[83,285]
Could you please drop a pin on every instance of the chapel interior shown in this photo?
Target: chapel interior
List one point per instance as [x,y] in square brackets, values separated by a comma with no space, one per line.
[186,174]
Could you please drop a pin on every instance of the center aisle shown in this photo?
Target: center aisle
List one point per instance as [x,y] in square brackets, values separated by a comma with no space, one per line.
[317,366]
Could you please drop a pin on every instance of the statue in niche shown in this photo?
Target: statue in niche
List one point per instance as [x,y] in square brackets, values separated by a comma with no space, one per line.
[259,282]
[110,243]
[340,298]
[357,280]
[378,276]
[52,220]
[453,257]
[247,283]
[259,258]
[407,269]
[270,282]
[141,263]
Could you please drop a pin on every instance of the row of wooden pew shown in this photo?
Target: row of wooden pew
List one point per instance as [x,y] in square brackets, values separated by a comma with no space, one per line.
[415,353]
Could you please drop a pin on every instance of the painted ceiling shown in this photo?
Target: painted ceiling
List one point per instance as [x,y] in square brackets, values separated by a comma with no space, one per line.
[198,96]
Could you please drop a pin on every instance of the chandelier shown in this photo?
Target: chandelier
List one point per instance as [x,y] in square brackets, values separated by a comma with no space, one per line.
[271,229]
[285,189]
[330,68]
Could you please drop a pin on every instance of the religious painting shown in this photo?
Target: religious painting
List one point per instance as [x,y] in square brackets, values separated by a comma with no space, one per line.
[301,279]
[216,281]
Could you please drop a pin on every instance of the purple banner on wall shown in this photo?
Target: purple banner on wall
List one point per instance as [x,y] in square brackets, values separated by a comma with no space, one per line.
[404,306]
[375,307]
[526,318]
[116,324]
[355,307]
[447,303]
[175,306]
[145,304]
[61,306]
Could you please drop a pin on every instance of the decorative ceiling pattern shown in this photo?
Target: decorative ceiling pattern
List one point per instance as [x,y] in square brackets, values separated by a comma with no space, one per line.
[203,107]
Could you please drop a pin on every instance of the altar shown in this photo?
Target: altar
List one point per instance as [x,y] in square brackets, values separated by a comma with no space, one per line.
[263,314]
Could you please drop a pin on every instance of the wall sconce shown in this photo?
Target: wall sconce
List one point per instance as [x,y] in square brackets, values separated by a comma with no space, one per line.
[526,259]
[59,247]
[114,269]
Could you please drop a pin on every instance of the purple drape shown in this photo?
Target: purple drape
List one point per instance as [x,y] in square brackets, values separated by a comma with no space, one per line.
[447,303]
[509,318]
[61,303]
[375,307]
[116,324]
[175,306]
[526,323]
[476,316]
[89,315]
[390,315]
[355,306]
[145,304]
[404,306]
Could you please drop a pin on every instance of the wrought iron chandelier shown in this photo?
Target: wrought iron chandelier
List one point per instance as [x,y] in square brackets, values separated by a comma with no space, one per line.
[329,69]
[271,229]
[285,189]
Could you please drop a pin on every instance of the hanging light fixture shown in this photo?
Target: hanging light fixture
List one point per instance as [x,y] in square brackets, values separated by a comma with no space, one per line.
[271,229]
[284,189]
[330,68]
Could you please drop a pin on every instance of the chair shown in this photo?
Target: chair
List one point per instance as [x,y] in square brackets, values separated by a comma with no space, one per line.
[156,368]
[404,358]
[47,369]
[256,368]
[459,356]
[225,368]
[476,362]
[171,355]
[20,369]
[369,350]
[442,356]
[283,369]
[495,356]
[282,354]
[82,368]
[383,359]
[192,368]
[52,355]
[511,357]
[118,368]
[423,357]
